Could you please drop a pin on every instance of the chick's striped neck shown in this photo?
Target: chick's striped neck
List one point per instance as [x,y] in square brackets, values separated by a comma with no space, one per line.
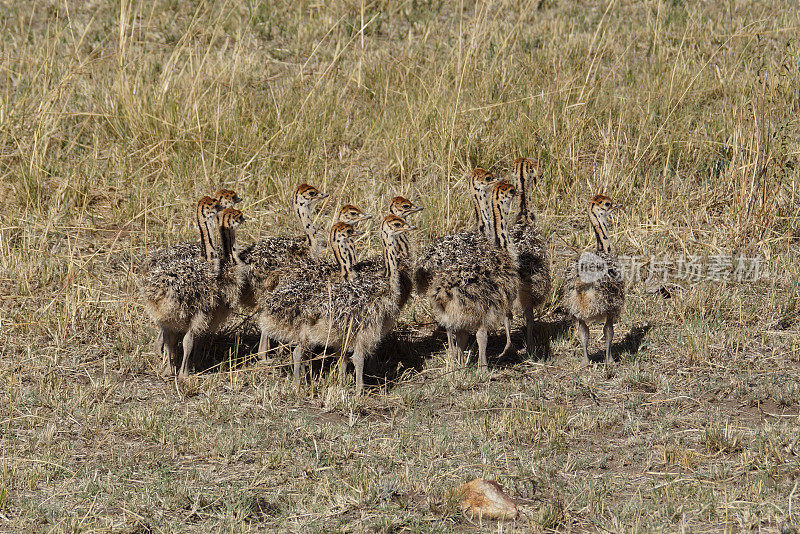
[303,212]
[600,230]
[205,226]
[395,249]
[483,212]
[344,253]
[500,221]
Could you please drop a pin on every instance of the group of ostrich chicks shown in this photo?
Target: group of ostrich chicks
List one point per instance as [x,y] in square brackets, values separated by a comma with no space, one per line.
[473,279]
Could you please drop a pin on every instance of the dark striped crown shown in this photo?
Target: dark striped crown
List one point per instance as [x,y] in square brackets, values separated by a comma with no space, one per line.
[227,198]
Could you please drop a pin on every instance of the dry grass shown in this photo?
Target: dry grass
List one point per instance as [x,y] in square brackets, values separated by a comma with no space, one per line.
[114,117]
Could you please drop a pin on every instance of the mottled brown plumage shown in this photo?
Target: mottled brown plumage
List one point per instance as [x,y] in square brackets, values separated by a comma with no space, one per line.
[350,309]
[400,207]
[268,254]
[594,289]
[223,198]
[534,260]
[455,248]
[183,253]
[469,280]
[281,257]
[190,295]
[373,266]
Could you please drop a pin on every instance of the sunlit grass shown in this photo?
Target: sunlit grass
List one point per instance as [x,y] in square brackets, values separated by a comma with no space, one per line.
[116,117]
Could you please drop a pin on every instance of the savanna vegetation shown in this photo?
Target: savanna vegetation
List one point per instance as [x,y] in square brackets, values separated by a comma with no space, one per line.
[116,116]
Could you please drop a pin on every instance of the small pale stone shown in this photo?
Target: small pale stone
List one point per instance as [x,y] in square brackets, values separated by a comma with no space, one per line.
[485,499]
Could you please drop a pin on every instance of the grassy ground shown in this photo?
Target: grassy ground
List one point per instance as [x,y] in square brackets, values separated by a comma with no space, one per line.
[115,117]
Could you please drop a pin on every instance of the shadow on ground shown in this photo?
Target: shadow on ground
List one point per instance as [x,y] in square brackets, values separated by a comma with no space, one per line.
[404,350]
[629,343]
[546,331]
